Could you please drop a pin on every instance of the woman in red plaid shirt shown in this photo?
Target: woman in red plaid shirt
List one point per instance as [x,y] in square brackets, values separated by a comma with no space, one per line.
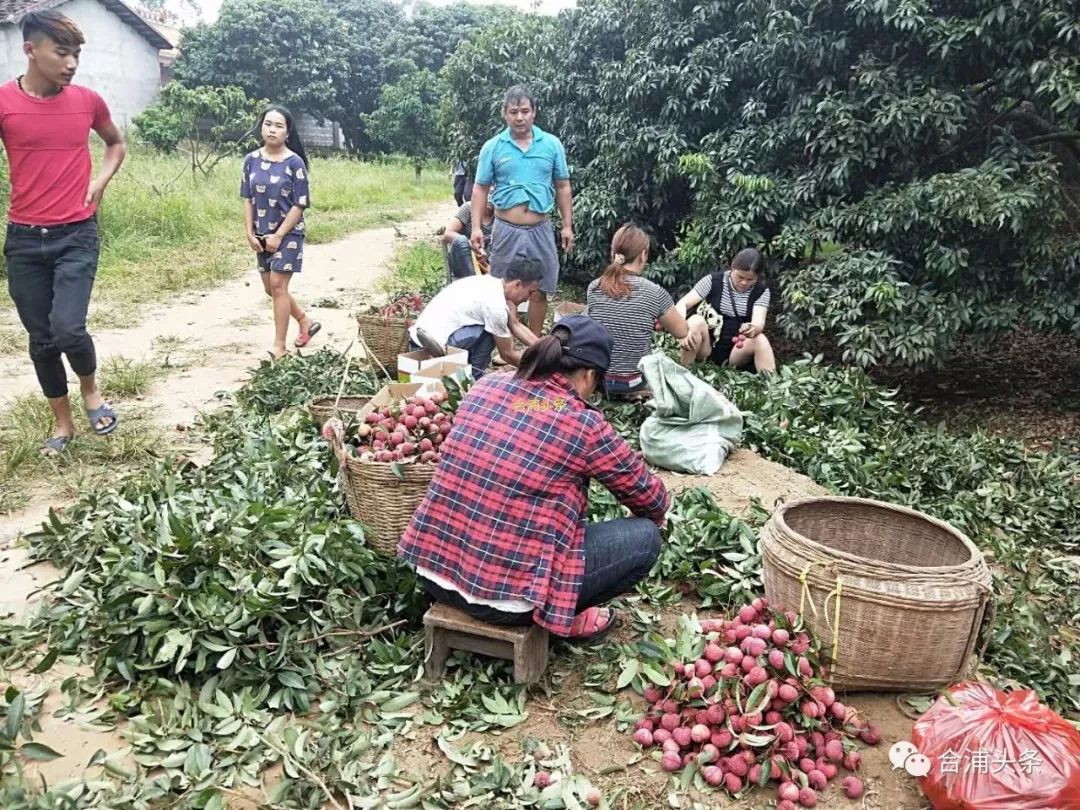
[501,533]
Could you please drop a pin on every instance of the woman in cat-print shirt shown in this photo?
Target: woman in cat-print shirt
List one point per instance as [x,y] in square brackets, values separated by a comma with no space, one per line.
[275,192]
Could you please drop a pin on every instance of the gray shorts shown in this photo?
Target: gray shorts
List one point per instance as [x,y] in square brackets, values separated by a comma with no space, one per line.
[535,241]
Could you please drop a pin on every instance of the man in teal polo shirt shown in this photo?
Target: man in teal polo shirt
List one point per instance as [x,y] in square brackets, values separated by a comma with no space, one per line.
[528,168]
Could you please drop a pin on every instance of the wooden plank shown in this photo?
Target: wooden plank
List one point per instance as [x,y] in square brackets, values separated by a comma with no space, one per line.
[436,651]
[478,644]
[531,656]
[440,615]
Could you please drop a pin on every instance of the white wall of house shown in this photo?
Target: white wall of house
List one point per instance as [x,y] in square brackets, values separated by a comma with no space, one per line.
[117,61]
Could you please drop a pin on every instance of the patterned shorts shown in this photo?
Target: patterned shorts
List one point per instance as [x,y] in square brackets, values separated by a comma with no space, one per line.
[288,259]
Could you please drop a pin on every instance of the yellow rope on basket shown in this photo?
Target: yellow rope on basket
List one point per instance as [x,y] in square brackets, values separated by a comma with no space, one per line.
[805,597]
[835,623]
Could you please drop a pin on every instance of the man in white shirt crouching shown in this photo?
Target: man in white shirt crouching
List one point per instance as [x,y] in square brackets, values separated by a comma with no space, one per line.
[478,313]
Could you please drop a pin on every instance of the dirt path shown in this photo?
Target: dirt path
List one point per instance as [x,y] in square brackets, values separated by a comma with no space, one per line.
[746,476]
[213,338]
[216,337]
[227,330]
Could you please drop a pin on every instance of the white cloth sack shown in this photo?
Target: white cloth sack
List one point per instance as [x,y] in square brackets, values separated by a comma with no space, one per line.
[693,426]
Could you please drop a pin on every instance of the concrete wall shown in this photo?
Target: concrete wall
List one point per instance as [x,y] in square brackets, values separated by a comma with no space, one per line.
[326,135]
[116,60]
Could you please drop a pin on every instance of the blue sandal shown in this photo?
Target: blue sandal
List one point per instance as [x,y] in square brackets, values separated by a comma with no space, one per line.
[54,445]
[103,411]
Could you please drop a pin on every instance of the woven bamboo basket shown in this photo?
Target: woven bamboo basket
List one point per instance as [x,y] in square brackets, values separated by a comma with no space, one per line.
[897,597]
[323,407]
[384,337]
[379,498]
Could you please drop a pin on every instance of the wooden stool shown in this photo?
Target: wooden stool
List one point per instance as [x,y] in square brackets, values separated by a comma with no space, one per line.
[447,629]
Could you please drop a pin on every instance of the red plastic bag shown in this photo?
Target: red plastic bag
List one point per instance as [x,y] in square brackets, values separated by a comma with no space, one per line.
[998,751]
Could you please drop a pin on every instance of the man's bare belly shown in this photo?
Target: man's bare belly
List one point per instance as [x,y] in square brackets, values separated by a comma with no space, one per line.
[520,215]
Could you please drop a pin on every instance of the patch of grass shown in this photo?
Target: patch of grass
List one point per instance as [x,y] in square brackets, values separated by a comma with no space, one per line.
[122,377]
[348,195]
[418,267]
[12,340]
[84,464]
[164,232]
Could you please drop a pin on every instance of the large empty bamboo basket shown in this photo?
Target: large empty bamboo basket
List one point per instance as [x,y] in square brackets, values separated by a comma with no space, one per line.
[911,589]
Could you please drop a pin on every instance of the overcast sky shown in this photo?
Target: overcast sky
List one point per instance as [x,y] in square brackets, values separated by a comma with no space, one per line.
[210,7]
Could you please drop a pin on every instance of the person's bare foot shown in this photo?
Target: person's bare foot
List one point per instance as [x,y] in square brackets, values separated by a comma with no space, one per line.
[277,352]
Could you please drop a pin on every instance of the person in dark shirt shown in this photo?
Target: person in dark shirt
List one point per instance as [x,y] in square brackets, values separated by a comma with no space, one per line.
[456,238]
[729,327]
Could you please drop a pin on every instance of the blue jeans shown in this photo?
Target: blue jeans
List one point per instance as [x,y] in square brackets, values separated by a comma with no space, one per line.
[50,274]
[616,387]
[618,554]
[478,343]
[459,254]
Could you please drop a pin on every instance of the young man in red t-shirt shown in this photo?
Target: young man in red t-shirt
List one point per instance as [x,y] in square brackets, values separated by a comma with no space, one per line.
[52,235]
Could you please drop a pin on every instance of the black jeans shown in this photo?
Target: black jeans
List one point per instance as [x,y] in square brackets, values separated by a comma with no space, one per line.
[618,554]
[459,256]
[50,276]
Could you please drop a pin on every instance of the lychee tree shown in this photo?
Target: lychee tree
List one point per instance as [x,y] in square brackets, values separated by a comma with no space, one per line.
[909,167]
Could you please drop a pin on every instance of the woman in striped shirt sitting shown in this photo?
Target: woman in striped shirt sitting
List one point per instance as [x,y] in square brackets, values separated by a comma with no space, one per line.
[629,306]
[729,326]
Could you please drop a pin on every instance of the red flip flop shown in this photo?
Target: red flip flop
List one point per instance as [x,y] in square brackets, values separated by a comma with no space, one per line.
[304,338]
[590,626]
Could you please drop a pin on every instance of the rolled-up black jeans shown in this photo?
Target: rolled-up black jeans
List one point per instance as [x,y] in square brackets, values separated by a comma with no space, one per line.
[459,255]
[618,554]
[51,272]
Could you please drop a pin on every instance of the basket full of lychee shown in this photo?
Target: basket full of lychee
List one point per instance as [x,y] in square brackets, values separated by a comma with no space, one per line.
[383,329]
[387,458]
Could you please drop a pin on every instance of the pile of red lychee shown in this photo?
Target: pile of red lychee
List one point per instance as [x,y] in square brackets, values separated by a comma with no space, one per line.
[752,709]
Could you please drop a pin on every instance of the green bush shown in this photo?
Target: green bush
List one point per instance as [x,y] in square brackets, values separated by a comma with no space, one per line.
[212,123]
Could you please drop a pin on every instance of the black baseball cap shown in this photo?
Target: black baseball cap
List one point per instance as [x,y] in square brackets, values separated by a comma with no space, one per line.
[590,342]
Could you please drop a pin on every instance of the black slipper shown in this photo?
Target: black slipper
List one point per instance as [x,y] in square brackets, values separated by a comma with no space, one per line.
[431,346]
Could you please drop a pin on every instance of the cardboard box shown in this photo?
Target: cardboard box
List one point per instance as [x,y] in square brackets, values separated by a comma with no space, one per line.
[395,392]
[410,363]
[432,376]
[568,308]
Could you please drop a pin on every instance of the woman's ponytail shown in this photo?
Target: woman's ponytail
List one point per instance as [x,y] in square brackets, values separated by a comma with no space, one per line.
[628,243]
[543,358]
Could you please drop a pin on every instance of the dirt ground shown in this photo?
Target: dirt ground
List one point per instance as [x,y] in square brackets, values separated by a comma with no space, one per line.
[745,476]
[215,337]
[1022,386]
